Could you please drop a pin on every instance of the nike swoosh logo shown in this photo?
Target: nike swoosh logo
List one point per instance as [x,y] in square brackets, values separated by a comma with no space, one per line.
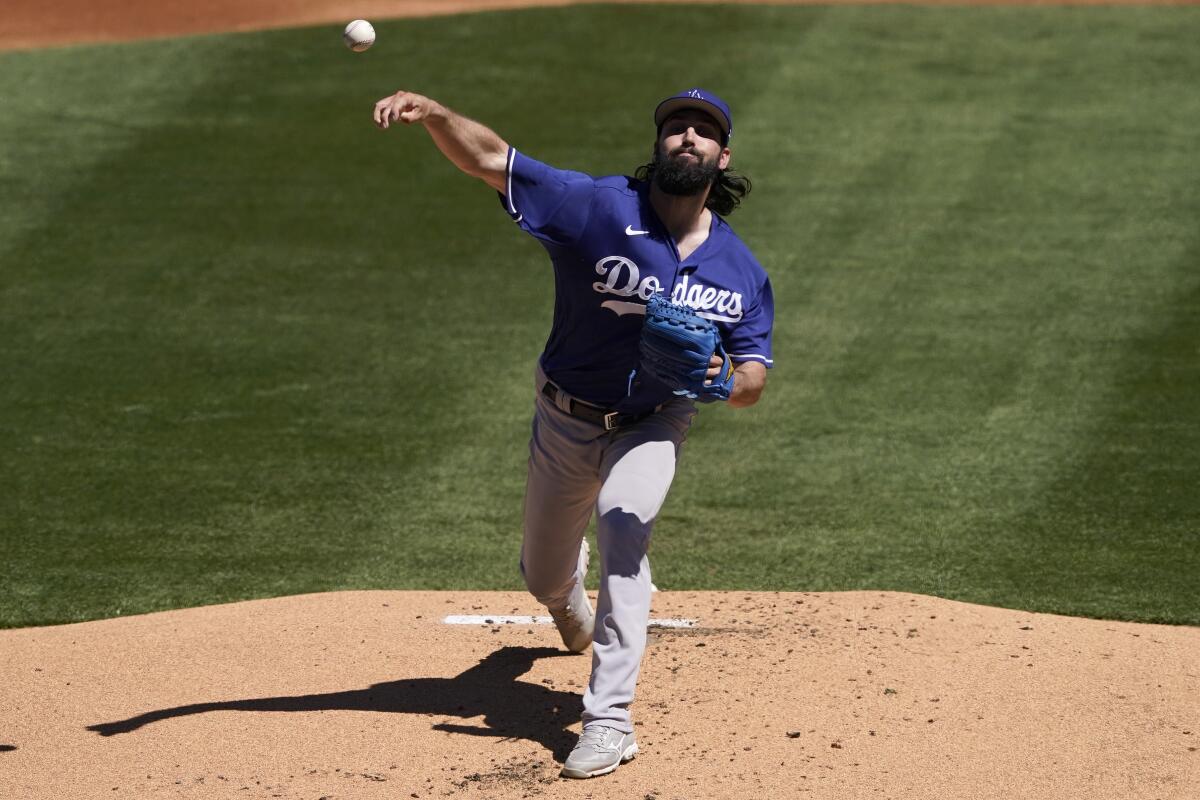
[629,231]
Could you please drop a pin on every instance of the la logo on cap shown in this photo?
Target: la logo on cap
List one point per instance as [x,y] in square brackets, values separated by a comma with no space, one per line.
[699,99]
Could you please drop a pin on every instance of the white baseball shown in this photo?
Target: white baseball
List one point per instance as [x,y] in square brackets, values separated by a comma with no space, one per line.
[359,35]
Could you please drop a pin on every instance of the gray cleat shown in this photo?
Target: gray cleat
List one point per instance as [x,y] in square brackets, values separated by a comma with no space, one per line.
[576,620]
[600,750]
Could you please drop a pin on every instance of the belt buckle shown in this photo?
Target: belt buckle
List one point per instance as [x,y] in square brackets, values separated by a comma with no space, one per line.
[610,420]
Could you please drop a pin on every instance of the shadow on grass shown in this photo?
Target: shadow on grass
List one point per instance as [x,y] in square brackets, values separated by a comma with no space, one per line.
[510,708]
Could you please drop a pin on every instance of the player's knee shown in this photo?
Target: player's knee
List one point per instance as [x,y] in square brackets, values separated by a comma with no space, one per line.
[631,495]
[624,539]
[550,589]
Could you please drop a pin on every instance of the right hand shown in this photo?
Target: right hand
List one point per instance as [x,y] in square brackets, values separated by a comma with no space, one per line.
[403,107]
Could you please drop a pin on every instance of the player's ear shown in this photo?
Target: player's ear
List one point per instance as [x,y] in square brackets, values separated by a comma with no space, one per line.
[723,161]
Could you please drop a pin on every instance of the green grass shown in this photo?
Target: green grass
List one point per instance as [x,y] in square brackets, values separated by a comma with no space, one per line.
[251,346]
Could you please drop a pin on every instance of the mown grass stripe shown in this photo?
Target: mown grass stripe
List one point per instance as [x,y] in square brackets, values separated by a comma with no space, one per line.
[252,346]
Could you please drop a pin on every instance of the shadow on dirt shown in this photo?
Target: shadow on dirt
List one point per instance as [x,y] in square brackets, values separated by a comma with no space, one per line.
[510,708]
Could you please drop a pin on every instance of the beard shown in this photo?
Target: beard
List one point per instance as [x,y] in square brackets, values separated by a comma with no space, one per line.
[677,176]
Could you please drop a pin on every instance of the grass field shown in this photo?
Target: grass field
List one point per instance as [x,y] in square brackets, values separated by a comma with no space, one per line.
[252,346]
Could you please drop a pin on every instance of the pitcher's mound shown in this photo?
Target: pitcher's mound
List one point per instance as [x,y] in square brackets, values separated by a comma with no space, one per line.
[372,695]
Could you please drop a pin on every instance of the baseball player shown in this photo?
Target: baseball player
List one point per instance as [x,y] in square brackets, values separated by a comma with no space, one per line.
[645,268]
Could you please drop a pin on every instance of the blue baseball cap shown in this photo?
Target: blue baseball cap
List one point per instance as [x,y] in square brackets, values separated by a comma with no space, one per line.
[701,100]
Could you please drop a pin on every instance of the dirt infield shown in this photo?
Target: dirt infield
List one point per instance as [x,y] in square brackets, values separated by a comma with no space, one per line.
[371,695]
[30,23]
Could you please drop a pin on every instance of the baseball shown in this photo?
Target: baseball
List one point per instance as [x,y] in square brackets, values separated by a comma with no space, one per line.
[359,35]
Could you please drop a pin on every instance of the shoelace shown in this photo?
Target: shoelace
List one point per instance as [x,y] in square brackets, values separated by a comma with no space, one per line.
[594,738]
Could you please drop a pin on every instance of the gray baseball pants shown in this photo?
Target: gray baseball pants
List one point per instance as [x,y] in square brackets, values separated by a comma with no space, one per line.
[576,466]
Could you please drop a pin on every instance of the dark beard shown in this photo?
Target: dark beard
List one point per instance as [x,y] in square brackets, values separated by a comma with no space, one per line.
[681,178]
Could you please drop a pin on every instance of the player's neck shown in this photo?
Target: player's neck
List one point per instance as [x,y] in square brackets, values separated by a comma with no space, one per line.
[683,216]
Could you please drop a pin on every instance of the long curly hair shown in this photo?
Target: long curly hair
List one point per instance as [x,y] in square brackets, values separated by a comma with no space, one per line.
[725,195]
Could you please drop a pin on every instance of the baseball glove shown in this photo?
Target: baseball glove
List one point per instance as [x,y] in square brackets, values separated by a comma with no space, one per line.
[676,347]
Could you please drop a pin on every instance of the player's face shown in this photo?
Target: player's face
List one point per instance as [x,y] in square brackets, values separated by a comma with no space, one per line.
[692,135]
[689,155]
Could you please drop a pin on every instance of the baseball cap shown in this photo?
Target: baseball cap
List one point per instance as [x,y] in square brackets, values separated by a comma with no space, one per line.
[700,99]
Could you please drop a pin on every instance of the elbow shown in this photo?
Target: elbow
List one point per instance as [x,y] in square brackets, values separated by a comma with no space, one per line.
[747,398]
[490,163]
[749,384]
[492,169]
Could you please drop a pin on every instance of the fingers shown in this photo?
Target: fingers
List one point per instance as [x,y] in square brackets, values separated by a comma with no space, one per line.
[402,106]
[382,110]
[715,362]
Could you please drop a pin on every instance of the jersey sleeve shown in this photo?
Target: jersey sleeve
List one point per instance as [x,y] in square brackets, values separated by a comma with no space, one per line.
[551,204]
[750,339]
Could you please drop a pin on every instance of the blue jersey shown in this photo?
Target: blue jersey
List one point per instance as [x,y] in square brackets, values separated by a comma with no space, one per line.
[611,254]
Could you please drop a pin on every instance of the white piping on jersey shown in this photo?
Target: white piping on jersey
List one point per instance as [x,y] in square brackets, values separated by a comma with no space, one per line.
[754,356]
[512,155]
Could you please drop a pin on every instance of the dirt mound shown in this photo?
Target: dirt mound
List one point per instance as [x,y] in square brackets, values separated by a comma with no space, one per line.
[372,695]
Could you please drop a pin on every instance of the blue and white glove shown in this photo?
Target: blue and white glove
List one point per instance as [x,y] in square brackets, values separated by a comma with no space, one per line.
[676,348]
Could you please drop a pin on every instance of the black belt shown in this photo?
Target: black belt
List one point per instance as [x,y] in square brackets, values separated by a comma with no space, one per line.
[609,420]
